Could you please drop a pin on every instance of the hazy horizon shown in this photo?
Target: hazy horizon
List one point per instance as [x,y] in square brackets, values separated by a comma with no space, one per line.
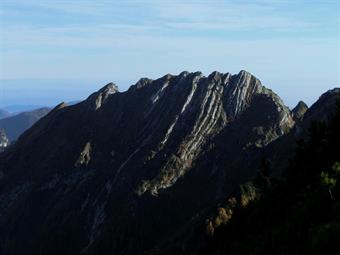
[53,51]
[52,92]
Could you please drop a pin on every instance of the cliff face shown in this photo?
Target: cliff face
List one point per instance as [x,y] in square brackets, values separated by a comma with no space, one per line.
[121,172]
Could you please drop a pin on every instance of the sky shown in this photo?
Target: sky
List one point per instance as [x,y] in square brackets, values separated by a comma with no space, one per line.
[53,51]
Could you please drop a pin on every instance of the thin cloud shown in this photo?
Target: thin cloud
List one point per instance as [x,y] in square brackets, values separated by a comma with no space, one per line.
[124,40]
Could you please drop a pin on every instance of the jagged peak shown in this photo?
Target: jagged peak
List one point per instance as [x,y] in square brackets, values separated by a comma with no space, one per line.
[109,88]
[244,73]
[142,82]
[246,76]
[197,73]
[184,74]
[215,75]
[248,82]
[167,77]
[299,110]
[97,99]
[243,87]
[301,104]
[194,76]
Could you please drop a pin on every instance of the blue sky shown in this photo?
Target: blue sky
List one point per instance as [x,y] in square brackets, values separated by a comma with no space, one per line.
[52,51]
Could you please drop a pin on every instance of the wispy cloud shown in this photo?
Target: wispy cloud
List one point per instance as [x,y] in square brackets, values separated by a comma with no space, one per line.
[90,23]
[199,15]
[128,39]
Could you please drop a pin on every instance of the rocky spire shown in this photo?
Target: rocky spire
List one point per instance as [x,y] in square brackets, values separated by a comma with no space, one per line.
[299,110]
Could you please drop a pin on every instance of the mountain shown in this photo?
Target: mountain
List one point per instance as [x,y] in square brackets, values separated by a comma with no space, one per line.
[124,172]
[17,124]
[4,114]
[283,149]
[18,108]
[322,109]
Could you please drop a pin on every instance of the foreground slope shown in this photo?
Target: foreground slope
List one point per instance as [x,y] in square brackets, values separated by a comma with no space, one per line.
[298,214]
[120,172]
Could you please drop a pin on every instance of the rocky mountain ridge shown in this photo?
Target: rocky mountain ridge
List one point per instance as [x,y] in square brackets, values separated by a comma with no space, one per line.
[122,171]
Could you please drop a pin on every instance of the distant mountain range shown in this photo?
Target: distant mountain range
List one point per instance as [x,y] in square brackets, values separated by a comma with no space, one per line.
[13,109]
[4,114]
[143,171]
[16,119]
[15,125]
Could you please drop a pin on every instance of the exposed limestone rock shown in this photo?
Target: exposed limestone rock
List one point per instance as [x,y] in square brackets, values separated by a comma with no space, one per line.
[240,92]
[160,92]
[97,99]
[85,156]
[219,99]
[4,142]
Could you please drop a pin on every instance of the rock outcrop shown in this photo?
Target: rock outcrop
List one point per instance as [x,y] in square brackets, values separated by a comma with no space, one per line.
[4,142]
[97,99]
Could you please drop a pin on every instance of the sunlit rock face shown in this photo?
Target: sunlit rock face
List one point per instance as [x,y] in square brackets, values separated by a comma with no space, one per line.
[97,99]
[127,169]
[213,103]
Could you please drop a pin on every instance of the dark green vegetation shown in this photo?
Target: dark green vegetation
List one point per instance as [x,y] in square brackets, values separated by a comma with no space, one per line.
[299,214]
